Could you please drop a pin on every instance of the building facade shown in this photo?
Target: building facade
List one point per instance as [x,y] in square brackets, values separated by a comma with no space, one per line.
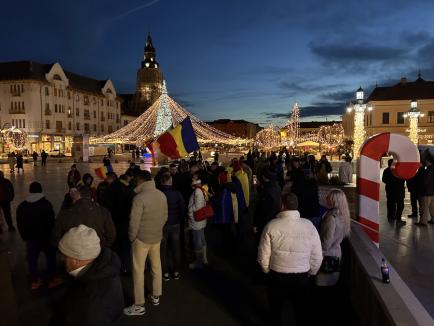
[237,128]
[390,105]
[148,85]
[53,105]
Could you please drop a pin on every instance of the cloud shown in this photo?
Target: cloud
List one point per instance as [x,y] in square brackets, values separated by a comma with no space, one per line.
[345,54]
[276,115]
[322,109]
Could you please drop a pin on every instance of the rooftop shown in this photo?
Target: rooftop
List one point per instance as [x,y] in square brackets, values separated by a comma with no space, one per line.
[404,90]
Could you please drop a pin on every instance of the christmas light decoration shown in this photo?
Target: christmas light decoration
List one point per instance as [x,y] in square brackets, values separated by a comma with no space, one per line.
[268,138]
[293,127]
[14,137]
[164,113]
[413,117]
[331,136]
[359,122]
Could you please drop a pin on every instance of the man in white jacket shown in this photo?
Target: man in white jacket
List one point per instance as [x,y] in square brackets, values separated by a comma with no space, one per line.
[289,251]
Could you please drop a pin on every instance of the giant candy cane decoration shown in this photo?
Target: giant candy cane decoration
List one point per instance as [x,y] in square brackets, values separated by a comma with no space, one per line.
[406,164]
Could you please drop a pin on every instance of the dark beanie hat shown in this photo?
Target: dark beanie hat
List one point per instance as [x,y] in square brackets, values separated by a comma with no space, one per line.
[35,188]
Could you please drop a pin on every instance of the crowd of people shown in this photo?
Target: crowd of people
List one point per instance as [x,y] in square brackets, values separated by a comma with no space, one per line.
[133,222]
[421,189]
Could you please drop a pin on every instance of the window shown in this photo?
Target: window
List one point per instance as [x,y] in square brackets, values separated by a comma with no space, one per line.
[69,95]
[55,91]
[55,108]
[86,127]
[47,92]
[78,126]
[400,117]
[77,112]
[69,112]
[47,124]
[86,115]
[59,126]
[110,129]
[94,127]
[385,118]
[69,125]
[24,123]
[430,116]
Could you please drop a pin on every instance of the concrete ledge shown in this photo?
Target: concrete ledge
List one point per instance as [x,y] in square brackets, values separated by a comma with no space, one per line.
[377,303]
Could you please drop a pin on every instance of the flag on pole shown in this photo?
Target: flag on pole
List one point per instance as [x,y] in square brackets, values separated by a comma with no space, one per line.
[179,141]
[102,171]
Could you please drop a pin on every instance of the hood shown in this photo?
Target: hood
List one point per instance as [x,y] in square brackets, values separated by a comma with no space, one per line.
[147,185]
[106,265]
[32,198]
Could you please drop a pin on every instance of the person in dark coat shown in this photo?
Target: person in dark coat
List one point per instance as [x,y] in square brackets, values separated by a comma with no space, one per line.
[119,199]
[20,162]
[85,211]
[268,200]
[6,196]
[395,193]
[106,161]
[44,156]
[170,245]
[35,221]
[416,192]
[73,176]
[35,158]
[94,294]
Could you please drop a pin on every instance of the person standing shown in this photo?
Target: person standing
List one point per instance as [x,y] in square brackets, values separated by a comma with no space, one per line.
[44,157]
[35,221]
[94,294]
[73,176]
[335,226]
[289,251]
[197,201]
[170,246]
[7,195]
[11,161]
[20,162]
[35,158]
[323,169]
[147,218]
[395,193]
[106,161]
[346,170]
[85,211]
[428,193]
[415,189]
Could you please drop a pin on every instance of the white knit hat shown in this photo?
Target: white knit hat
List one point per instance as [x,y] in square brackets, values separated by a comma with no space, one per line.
[80,243]
[196,182]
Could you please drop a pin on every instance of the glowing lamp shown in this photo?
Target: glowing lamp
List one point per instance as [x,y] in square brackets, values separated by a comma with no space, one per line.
[413,104]
[360,94]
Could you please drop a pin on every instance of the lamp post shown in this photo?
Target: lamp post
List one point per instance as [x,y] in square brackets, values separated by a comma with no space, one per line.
[413,116]
[359,108]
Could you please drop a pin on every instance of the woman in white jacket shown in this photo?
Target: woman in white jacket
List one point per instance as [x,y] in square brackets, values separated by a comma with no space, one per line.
[335,226]
[197,201]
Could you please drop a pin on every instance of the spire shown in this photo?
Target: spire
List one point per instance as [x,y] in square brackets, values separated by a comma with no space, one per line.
[149,58]
[419,76]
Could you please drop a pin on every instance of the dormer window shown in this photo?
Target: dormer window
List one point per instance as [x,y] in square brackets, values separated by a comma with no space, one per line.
[57,77]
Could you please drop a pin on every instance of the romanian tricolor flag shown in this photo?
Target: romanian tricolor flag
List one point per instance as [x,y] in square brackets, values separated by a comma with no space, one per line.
[179,141]
[102,171]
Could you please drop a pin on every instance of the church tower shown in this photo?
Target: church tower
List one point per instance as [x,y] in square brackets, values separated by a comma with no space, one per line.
[149,79]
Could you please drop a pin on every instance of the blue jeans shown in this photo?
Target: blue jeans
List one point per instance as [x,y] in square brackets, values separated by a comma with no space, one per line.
[170,249]
[199,240]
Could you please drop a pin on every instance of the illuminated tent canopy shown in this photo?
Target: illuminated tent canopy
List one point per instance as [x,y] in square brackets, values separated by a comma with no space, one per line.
[163,114]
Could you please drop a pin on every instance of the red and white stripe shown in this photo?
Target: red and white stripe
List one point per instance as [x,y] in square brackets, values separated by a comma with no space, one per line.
[406,164]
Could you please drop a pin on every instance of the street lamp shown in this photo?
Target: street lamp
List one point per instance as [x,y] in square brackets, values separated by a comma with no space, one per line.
[413,116]
[359,120]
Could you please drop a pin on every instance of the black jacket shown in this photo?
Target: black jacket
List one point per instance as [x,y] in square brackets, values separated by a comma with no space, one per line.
[394,186]
[95,297]
[6,190]
[86,212]
[428,181]
[268,203]
[175,205]
[414,185]
[35,219]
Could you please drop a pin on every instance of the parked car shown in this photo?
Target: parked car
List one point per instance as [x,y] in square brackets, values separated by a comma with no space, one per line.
[56,153]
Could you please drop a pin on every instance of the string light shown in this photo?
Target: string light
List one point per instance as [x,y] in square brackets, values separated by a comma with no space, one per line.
[164,113]
[331,136]
[268,138]
[14,137]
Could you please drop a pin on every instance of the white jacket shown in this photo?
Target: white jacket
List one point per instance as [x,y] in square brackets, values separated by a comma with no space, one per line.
[290,244]
[196,202]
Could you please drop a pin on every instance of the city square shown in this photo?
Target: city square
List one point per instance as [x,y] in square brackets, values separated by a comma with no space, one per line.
[217,163]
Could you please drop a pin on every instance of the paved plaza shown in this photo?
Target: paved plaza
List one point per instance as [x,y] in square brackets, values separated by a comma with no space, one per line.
[230,292]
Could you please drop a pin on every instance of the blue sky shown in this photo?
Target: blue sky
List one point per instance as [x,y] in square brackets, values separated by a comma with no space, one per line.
[239,59]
